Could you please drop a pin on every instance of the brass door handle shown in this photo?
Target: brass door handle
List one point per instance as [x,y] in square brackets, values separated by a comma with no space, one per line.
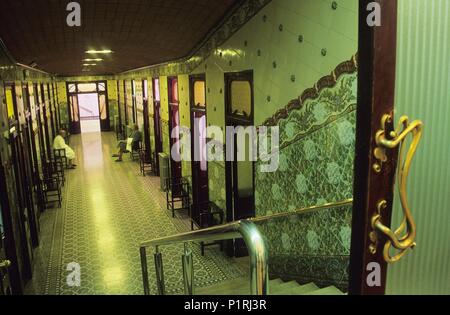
[404,237]
[4,264]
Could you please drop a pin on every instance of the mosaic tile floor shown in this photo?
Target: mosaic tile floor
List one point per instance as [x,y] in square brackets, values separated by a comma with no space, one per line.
[108,210]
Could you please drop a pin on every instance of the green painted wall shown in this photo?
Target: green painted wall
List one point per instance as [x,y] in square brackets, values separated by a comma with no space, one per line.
[423,81]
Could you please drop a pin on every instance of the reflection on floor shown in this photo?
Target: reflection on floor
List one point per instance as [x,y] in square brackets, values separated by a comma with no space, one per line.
[108,209]
[90,125]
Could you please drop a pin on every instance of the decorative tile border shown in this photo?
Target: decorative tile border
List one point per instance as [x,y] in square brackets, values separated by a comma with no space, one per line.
[329,81]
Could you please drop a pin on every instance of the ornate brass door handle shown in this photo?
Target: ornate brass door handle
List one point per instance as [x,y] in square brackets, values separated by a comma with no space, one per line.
[404,237]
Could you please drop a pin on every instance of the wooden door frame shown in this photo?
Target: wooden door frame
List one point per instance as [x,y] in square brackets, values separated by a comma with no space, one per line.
[10,241]
[157,123]
[376,96]
[19,176]
[42,149]
[146,113]
[134,102]
[52,116]
[105,93]
[171,142]
[36,173]
[194,109]
[119,132]
[125,95]
[230,167]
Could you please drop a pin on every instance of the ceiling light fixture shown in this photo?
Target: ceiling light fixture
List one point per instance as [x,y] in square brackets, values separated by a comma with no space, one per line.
[105,51]
[95,59]
[89,64]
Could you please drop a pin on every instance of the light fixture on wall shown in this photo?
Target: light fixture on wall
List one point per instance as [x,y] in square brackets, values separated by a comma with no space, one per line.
[104,51]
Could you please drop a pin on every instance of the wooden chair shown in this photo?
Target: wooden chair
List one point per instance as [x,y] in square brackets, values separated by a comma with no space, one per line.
[145,163]
[135,152]
[51,185]
[60,155]
[178,195]
[212,217]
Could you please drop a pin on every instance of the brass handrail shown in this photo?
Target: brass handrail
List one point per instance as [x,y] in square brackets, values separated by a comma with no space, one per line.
[245,229]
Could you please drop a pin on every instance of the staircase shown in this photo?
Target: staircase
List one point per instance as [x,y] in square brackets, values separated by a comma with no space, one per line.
[241,286]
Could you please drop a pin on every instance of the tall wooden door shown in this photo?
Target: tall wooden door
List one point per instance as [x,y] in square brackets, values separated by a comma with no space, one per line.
[119,127]
[125,104]
[8,257]
[147,142]
[52,112]
[74,109]
[174,124]
[45,121]
[380,134]
[239,168]
[33,136]
[40,127]
[200,187]
[103,105]
[16,226]
[157,122]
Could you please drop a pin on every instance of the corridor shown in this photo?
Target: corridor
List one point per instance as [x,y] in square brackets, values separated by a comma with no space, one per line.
[108,210]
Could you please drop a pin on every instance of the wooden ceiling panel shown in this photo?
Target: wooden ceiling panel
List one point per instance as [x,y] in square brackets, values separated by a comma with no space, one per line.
[140,32]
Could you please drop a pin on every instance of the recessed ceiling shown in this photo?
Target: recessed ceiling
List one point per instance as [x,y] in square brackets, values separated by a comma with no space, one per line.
[140,32]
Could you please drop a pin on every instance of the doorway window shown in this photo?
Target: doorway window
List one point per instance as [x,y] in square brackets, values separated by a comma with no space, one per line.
[241,98]
[89,112]
[199,94]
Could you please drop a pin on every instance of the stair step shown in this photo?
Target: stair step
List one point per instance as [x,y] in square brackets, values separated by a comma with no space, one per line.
[225,288]
[327,291]
[304,289]
[241,286]
[284,289]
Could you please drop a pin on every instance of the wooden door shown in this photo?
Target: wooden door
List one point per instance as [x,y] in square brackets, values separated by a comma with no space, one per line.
[40,127]
[119,127]
[46,123]
[147,142]
[74,109]
[103,106]
[174,133]
[9,271]
[379,137]
[200,185]
[239,171]
[15,202]
[157,122]
[52,112]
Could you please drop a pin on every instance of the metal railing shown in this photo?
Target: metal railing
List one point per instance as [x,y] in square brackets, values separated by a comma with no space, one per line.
[245,229]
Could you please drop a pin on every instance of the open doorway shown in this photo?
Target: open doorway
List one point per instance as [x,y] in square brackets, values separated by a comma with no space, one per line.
[88,107]
[89,112]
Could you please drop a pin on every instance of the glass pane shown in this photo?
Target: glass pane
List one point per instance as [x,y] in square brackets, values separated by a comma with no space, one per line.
[74,108]
[174,96]
[87,87]
[245,173]
[156,90]
[199,93]
[139,96]
[103,112]
[10,102]
[145,95]
[102,87]
[72,88]
[241,97]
